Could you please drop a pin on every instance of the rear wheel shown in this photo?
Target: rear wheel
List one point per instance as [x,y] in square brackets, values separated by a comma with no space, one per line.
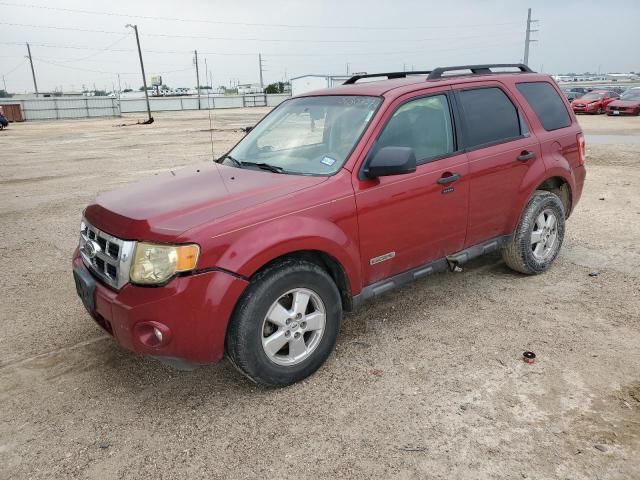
[286,324]
[538,238]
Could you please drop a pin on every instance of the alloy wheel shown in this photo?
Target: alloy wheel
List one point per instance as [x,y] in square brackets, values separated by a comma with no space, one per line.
[293,327]
[544,235]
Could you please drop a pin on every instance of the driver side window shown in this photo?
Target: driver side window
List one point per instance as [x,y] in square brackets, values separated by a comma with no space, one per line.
[424,125]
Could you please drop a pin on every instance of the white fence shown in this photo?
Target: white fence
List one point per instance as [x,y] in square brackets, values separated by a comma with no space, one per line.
[60,107]
[55,108]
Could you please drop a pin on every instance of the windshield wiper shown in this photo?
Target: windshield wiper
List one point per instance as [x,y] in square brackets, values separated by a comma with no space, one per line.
[235,161]
[266,166]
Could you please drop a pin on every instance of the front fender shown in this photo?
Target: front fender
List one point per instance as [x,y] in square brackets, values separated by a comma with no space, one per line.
[252,248]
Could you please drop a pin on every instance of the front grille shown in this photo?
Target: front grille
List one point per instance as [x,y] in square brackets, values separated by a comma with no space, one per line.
[620,109]
[108,257]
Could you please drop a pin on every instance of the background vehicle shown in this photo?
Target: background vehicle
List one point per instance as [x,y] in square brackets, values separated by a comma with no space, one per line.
[321,206]
[581,90]
[594,101]
[570,94]
[627,104]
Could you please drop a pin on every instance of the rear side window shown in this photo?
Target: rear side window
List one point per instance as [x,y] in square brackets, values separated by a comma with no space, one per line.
[547,104]
[489,115]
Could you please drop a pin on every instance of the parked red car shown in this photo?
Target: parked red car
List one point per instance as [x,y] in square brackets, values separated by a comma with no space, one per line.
[628,104]
[594,102]
[335,197]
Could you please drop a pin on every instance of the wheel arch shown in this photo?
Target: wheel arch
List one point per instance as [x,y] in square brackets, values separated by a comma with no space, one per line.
[555,182]
[561,187]
[325,261]
[332,246]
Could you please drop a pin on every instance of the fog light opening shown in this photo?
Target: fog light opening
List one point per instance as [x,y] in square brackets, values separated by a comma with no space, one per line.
[152,334]
[158,334]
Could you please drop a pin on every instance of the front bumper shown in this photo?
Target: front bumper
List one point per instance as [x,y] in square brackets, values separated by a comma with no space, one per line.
[625,111]
[193,312]
[585,109]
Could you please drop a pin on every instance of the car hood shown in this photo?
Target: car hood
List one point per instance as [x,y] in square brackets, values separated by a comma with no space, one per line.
[164,206]
[625,103]
[586,100]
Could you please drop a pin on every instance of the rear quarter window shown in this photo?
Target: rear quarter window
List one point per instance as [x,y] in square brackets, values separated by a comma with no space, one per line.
[490,116]
[547,104]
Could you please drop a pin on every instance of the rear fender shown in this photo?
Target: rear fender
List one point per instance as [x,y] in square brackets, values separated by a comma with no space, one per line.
[534,178]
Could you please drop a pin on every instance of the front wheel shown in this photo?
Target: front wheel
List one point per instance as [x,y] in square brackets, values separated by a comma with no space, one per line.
[286,324]
[599,110]
[538,238]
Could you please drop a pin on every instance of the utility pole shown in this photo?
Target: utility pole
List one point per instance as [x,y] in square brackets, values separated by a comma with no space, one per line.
[347,68]
[5,83]
[33,72]
[144,77]
[197,77]
[206,70]
[260,65]
[119,87]
[527,39]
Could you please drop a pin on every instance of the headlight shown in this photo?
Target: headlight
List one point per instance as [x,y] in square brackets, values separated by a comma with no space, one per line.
[155,263]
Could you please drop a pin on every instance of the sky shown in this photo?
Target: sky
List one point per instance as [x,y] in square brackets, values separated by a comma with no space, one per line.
[76,43]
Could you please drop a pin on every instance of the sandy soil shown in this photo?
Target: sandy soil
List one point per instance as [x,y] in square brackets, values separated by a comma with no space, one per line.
[426,382]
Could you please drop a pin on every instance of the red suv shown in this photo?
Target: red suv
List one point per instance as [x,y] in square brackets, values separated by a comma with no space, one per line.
[335,197]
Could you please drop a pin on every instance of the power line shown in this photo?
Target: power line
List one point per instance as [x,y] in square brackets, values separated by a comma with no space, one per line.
[259,39]
[249,24]
[15,68]
[39,59]
[107,48]
[302,54]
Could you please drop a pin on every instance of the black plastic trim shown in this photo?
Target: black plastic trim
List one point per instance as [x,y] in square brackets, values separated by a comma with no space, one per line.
[389,75]
[217,269]
[440,265]
[485,69]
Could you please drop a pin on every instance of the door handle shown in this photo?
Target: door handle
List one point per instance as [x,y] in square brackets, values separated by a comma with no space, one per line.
[526,155]
[449,178]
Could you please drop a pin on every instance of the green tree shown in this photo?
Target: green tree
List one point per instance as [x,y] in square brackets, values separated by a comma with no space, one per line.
[277,87]
[4,94]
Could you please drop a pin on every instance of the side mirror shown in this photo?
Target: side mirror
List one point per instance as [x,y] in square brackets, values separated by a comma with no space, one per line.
[391,161]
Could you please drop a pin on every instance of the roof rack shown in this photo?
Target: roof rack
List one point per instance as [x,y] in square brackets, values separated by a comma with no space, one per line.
[389,75]
[478,69]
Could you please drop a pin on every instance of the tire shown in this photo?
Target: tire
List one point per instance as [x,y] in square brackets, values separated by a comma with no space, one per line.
[267,316]
[523,254]
[599,112]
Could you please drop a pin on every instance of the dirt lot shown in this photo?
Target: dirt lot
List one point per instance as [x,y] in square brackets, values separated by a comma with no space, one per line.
[427,382]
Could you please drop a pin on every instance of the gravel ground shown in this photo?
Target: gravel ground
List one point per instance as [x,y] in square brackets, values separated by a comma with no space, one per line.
[426,382]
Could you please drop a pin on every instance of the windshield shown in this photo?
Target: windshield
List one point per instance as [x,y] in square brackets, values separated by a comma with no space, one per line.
[308,135]
[631,95]
[592,96]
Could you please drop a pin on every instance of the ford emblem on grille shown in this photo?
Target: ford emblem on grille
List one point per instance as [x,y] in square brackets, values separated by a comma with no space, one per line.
[91,248]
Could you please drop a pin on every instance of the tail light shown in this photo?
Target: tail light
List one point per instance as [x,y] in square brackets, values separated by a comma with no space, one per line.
[582,149]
